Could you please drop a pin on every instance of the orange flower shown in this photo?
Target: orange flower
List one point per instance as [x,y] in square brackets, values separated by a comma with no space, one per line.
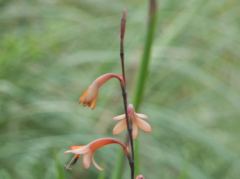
[88,151]
[138,121]
[89,97]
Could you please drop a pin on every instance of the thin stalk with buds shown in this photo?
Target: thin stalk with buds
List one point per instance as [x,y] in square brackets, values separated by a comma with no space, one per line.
[124,93]
[130,119]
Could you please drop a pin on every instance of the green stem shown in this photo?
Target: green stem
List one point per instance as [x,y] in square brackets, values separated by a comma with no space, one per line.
[143,71]
[102,175]
[119,167]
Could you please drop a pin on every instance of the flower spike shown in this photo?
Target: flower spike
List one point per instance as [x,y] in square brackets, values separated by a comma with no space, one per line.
[89,97]
[138,121]
[88,151]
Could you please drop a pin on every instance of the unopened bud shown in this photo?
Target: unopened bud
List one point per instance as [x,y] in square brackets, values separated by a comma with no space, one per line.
[140,177]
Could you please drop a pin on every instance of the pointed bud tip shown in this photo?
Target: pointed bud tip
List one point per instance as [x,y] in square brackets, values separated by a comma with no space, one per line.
[123,24]
[130,109]
[124,14]
[140,177]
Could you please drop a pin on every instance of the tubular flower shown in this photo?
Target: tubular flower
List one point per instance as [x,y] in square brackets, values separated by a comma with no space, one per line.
[88,151]
[138,121]
[89,96]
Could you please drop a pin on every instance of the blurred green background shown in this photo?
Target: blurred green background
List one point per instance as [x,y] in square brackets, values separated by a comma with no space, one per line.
[51,50]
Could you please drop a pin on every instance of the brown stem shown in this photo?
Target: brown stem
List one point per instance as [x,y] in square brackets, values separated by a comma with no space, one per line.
[122,33]
[124,93]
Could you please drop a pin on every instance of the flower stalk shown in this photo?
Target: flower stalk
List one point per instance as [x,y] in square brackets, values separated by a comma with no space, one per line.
[130,120]
[124,92]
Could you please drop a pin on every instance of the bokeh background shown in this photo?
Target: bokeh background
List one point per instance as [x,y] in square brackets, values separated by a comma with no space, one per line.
[51,50]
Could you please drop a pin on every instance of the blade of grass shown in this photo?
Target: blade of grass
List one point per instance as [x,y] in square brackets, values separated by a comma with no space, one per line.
[102,175]
[119,167]
[59,168]
[143,71]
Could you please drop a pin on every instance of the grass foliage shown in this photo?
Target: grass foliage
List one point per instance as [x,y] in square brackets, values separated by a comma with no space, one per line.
[50,51]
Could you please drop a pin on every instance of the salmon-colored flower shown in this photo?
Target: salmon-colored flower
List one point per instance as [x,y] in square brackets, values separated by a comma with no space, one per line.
[138,121]
[89,96]
[88,150]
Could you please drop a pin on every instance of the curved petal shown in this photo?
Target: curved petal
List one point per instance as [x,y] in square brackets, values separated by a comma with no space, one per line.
[119,127]
[119,117]
[87,160]
[142,116]
[96,165]
[83,96]
[81,150]
[143,125]
[134,131]
[92,92]
[73,147]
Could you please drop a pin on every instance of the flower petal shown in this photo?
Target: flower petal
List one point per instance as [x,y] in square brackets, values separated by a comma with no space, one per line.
[73,147]
[134,131]
[142,116]
[92,91]
[93,103]
[81,150]
[143,125]
[96,165]
[119,127]
[120,117]
[140,177]
[83,96]
[87,160]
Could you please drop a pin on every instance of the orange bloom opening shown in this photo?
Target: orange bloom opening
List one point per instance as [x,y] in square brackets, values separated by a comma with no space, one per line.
[89,96]
[88,151]
[138,121]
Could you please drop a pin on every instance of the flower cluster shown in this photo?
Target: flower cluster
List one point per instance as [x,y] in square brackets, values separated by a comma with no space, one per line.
[89,99]
[130,120]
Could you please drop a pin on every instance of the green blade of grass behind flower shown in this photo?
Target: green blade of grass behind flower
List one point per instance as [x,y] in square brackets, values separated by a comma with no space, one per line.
[119,167]
[143,71]
[102,175]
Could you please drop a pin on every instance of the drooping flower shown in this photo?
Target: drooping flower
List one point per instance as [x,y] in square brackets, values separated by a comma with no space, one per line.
[88,151]
[89,96]
[138,121]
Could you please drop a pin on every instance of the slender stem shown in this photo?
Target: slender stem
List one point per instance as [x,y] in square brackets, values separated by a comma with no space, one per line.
[143,72]
[129,128]
[124,94]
